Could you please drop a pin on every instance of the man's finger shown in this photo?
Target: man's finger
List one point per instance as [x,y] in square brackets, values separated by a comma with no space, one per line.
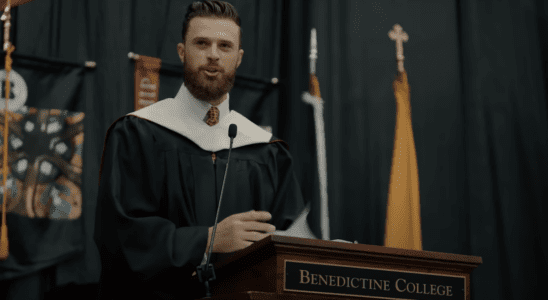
[258,226]
[255,216]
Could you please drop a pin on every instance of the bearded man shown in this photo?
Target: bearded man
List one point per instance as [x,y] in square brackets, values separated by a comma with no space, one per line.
[162,169]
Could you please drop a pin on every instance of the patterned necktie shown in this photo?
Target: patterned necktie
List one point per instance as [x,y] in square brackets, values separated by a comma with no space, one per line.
[212,116]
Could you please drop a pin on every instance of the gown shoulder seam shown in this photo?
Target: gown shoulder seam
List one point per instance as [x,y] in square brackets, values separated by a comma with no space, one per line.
[285,144]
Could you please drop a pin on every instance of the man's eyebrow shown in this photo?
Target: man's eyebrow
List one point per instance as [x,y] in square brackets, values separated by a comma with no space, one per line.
[208,39]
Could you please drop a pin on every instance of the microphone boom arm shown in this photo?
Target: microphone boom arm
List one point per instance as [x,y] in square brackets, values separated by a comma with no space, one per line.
[206,273]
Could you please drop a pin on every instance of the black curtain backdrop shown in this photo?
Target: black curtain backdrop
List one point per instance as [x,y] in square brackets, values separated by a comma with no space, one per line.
[506,145]
[477,71]
[479,78]
[356,69]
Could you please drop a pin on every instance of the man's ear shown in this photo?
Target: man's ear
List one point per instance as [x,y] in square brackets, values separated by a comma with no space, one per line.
[181,51]
[240,55]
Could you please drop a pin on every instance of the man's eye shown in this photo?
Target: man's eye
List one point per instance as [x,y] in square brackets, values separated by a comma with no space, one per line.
[201,42]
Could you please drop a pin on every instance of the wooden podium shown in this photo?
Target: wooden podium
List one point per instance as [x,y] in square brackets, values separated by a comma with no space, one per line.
[281,267]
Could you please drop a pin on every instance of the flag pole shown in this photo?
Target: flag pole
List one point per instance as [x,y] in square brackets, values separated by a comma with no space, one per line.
[313,97]
[9,48]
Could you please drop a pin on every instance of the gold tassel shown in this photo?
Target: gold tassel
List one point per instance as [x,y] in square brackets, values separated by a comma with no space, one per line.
[314,86]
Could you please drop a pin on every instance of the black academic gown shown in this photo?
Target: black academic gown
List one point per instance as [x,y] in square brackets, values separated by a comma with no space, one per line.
[158,194]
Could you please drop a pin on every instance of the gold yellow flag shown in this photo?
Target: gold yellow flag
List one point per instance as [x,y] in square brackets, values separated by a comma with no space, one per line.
[403,221]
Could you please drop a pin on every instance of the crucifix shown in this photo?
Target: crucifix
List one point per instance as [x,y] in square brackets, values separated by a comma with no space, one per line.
[397,34]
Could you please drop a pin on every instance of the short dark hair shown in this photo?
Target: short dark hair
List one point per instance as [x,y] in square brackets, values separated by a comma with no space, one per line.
[218,9]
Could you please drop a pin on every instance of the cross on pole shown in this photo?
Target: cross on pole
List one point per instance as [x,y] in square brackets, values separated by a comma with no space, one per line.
[397,34]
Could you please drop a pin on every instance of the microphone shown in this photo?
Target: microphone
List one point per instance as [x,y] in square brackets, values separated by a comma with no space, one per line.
[206,273]
[232,131]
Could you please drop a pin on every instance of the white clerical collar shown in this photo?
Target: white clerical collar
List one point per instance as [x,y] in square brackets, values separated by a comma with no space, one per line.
[200,107]
[185,115]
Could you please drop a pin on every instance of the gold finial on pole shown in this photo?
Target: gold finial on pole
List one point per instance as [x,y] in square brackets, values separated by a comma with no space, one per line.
[9,48]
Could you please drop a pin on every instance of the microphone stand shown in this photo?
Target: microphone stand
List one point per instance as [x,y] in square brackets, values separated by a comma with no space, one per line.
[206,273]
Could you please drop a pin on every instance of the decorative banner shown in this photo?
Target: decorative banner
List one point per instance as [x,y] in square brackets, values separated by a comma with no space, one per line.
[45,163]
[44,184]
[147,81]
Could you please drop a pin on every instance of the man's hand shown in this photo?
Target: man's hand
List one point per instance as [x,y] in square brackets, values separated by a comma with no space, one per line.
[240,230]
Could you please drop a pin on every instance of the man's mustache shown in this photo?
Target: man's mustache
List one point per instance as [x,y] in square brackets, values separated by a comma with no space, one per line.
[213,69]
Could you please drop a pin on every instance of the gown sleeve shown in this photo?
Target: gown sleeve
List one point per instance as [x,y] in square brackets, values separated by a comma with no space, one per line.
[129,224]
[288,201]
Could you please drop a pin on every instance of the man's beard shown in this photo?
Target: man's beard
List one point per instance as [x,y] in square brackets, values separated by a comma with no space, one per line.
[208,88]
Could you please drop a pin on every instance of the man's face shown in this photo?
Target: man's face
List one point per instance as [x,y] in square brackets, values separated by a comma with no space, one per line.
[210,56]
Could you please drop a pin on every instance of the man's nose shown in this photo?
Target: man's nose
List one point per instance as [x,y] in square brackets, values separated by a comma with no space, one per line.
[213,52]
